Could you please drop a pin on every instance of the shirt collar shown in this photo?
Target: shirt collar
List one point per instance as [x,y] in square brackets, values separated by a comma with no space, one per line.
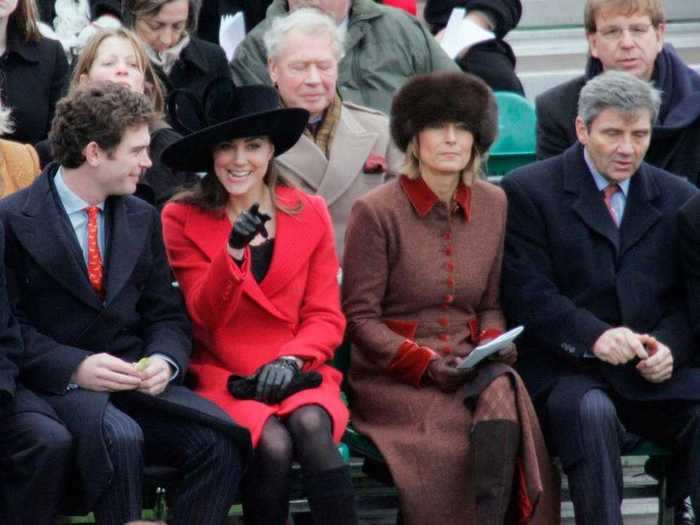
[422,198]
[71,202]
[600,181]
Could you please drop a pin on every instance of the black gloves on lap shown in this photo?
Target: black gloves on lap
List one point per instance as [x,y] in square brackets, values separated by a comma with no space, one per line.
[273,382]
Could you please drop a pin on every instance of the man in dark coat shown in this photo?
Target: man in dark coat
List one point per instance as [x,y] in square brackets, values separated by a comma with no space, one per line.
[493,60]
[93,297]
[36,440]
[591,270]
[631,41]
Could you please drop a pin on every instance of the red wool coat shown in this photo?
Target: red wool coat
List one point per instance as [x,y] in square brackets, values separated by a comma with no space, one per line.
[239,324]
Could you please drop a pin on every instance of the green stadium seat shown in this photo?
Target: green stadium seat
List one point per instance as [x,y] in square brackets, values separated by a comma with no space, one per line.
[515,145]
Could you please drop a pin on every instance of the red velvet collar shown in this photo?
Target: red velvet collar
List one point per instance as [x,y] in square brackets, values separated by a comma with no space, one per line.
[423,199]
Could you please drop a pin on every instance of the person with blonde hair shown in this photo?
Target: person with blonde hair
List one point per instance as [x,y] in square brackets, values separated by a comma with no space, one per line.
[421,285]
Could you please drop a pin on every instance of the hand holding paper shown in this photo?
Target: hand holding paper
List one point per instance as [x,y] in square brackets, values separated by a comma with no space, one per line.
[483,351]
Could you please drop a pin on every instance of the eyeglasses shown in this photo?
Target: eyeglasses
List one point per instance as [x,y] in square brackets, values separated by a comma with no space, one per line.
[614,33]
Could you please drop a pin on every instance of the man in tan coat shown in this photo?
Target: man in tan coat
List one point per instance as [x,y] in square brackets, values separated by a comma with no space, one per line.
[346,149]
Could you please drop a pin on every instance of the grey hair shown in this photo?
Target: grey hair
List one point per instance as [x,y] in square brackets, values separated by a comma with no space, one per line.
[308,21]
[6,124]
[617,90]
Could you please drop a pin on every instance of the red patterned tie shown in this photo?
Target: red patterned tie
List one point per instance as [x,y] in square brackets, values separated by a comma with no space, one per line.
[95,273]
[608,192]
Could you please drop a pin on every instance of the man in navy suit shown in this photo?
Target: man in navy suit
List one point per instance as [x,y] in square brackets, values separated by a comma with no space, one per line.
[106,337]
[591,270]
[34,439]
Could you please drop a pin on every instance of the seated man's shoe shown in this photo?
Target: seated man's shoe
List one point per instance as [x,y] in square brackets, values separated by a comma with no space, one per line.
[683,513]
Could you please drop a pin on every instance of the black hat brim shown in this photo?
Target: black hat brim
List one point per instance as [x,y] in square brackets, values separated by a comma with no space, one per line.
[194,152]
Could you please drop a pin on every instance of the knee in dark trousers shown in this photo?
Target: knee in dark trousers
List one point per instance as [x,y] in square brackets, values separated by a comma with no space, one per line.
[37,453]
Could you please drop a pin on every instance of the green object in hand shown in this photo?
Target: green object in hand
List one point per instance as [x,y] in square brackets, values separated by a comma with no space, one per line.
[143,363]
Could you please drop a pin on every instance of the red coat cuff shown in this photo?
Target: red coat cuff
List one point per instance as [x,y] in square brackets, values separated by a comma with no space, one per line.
[410,362]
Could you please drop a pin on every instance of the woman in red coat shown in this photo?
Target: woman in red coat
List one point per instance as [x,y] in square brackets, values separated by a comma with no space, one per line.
[256,262]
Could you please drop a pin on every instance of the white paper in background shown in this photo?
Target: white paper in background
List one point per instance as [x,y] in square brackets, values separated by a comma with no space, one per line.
[462,32]
[231,33]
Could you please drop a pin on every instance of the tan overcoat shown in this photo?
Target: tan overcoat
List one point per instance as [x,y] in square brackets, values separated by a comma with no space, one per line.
[19,166]
[342,178]
[416,272]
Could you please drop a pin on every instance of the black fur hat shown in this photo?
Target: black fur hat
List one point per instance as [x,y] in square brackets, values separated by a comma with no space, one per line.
[444,97]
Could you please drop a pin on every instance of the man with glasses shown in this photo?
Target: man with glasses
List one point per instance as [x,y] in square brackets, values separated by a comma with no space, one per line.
[628,35]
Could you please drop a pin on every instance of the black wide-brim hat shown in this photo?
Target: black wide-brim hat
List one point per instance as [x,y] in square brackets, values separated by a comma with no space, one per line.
[224,113]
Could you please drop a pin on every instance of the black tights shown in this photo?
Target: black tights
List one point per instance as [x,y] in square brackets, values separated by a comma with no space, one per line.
[305,436]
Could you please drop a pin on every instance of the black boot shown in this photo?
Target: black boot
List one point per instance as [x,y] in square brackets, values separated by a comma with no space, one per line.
[331,497]
[494,448]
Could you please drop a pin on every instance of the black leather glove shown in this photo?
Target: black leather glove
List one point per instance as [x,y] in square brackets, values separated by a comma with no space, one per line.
[245,387]
[274,378]
[247,226]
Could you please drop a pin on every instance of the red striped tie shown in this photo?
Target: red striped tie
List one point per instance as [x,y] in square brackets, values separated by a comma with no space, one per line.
[95,270]
[608,192]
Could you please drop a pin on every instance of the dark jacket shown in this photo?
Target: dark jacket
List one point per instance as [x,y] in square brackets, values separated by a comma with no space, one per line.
[494,60]
[63,321]
[569,275]
[10,340]
[212,10]
[689,228]
[200,63]
[35,77]
[675,141]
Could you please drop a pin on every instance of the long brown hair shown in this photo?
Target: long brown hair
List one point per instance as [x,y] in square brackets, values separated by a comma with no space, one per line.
[153,88]
[209,194]
[24,21]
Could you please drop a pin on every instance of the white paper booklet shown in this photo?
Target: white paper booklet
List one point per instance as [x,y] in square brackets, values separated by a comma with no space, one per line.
[462,32]
[231,33]
[485,350]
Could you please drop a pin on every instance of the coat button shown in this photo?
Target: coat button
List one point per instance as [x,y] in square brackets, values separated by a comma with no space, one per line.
[449,298]
[451,282]
[447,235]
[443,337]
[450,266]
[448,250]
[443,321]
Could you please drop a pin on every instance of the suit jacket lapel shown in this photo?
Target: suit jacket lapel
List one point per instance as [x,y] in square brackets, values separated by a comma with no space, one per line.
[39,228]
[640,212]
[294,238]
[351,147]
[126,240]
[330,178]
[588,203]
[306,161]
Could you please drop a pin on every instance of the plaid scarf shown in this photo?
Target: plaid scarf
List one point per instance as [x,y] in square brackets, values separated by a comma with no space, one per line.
[324,132]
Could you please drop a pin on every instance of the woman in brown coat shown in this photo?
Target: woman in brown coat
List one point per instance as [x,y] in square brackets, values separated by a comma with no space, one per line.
[421,286]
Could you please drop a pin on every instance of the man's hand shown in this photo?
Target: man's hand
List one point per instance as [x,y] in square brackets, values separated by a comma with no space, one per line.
[155,377]
[658,367]
[444,373]
[106,373]
[618,346]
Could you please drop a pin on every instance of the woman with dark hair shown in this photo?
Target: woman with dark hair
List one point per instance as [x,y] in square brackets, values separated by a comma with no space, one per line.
[33,71]
[421,283]
[166,28]
[256,262]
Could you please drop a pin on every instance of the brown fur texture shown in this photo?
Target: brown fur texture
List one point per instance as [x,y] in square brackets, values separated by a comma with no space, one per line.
[444,97]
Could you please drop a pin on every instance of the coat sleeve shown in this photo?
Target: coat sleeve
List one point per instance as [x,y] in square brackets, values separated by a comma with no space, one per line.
[365,277]
[554,323]
[689,240]
[321,321]
[551,135]
[212,287]
[249,63]
[165,327]
[10,339]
